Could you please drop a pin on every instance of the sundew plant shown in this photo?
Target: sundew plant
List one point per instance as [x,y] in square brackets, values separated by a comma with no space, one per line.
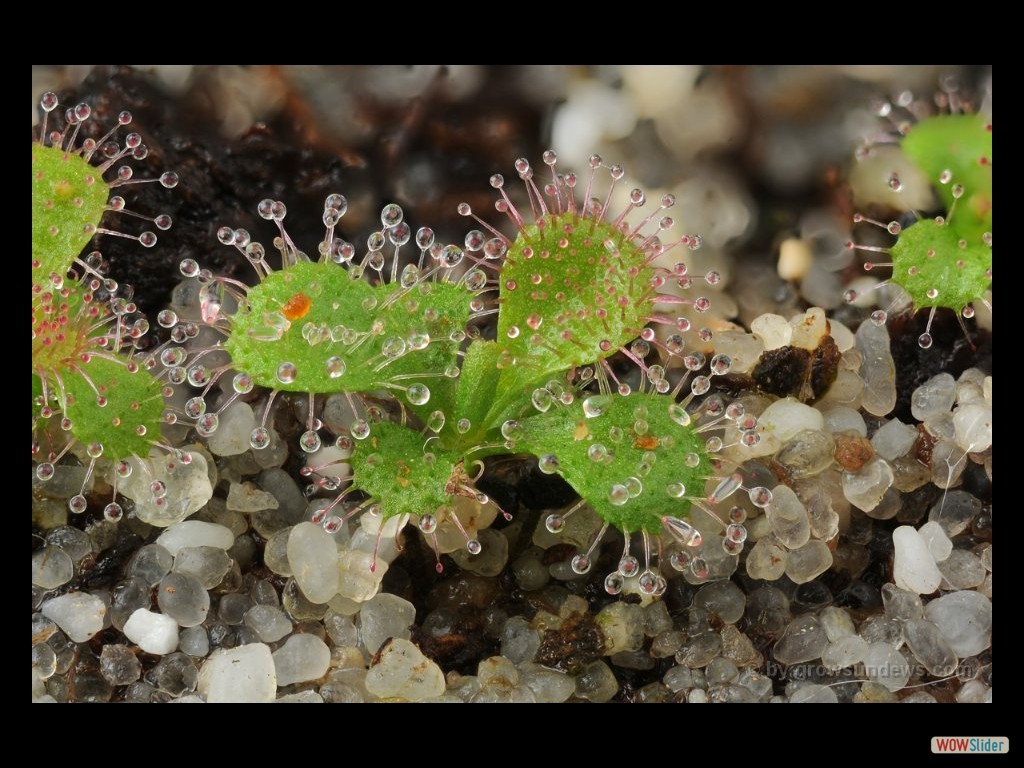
[575,374]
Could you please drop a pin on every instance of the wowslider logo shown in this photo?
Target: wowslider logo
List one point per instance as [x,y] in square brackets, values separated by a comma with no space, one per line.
[974,745]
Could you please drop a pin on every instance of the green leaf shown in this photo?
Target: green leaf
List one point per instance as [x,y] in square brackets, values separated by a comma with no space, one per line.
[933,257]
[634,459]
[333,333]
[69,197]
[129,421]
[958,150]
[406,474]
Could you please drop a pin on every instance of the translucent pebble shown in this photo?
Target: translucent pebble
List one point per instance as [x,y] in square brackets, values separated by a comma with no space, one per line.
[774,330]
[813,693]
[954,511]
[865,489]
[722,599]
[519,643]
[236,423]
[51,567]
[804,639]
[809,561]
[188,488]
[241,675]
[901,604]
[596,682]
[151,563]
[152,632]
[788,518]
[548,685]
[79,614]
[195,533]
[962,570]
[894,439]
[622,626]
[885,665]
[929,647]
[302,657]
[973,426]
[767,559]
[877,370]
[401,671]
[807,453]
[914,567]
[382,617]
[195,641]
[934,397]
[809,329]
[743,349]
[209,565]
[182,597]
[355,579]
[836,622]
[844,652]
[786,418]
[118,665]
[313,560]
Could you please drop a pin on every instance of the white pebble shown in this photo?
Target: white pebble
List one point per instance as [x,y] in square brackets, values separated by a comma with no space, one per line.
[933,398]
[809,328]
[785,418]
[237,422]
[887,666]
[152,632]
[973,425]
[243,675]
[301,658]
[774,330]
[385,616]
[195,533]
[51,567]
[269,622]
[188,488]
[878,370]
[355,579]
[79,614]
[313,561]
[788,517]
[893,439]
[839,418]
[865,488]
[401,671]
[965,619]
[914,568]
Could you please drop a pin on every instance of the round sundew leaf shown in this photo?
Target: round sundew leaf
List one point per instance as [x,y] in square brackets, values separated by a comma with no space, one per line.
[131,418]
[332,333]
[393,466]
[69,197]
[633,463]
[572,292]
[958,150]
[933,257]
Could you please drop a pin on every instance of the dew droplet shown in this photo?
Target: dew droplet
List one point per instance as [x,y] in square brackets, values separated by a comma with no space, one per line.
[418,394]
[286,373]
[77,504]
[613,583]
[360,429]
[581,564]
[597,452]
[310,441]
[113,512]
[548,463]
[512,430]
[473,547]
[618,494]
[44,471]
[554,523]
